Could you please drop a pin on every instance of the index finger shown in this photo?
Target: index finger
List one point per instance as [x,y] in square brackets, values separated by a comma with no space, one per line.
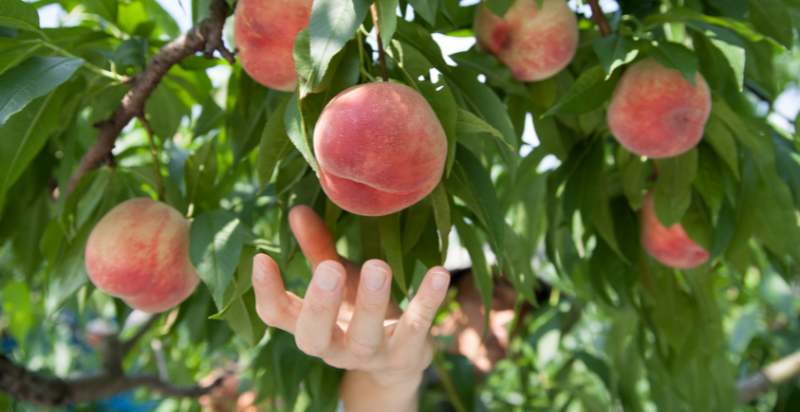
[313,236]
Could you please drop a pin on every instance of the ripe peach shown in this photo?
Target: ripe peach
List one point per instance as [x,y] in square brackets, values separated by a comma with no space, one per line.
[656,112]
[535,44]
[265,32]
[669,245]
[380,148]
[139,252]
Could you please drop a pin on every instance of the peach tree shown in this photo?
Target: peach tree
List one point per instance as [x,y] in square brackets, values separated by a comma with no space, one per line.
[618,180]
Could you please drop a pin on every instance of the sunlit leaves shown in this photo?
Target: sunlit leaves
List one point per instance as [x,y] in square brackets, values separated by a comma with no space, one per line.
[35,77]
[333,23]
[19,14]
[217,239]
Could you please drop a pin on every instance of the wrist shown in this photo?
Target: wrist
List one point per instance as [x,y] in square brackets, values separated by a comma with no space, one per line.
[388,392]
[393,379]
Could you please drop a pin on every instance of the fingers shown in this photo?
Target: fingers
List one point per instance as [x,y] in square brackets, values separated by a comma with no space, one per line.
[313,236]
[317,320]
[413,326]
[275,306]
[366,331]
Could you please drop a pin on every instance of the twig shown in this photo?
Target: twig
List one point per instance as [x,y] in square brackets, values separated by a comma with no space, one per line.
[154,153]
[128,345]
[600,18]
[381,52]
[29,386]
[205,38]
[772,375]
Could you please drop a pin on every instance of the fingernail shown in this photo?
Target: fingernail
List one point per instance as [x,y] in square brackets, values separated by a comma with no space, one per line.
[327,276]
[374,277]
[440,280]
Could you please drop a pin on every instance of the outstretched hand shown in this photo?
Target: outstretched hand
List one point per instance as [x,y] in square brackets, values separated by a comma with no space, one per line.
[343,317]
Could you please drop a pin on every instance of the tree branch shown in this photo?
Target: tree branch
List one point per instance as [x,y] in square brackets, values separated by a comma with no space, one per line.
[599,18]
[772,375]
[205,38]
[381,52]
[25,385]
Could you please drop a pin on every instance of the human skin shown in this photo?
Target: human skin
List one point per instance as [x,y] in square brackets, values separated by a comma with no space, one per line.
[265,32]
[380,148]
[656,112]
[346,319]
[533,43]
[669,245]
[139,252]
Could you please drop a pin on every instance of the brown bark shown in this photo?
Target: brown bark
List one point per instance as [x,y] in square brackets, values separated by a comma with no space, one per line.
[205,38]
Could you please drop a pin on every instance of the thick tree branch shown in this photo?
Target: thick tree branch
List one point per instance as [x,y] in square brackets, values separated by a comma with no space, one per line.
[772,375]
[28,386]
[600,18]
[205,38]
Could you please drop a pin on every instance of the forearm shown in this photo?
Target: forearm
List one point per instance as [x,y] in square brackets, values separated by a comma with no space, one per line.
[362,393]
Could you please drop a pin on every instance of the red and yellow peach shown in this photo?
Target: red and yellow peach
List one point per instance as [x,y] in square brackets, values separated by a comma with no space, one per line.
[380,148]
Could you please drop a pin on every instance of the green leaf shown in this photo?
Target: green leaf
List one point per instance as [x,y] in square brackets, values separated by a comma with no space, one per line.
[723,142]
[35,77]
[441,214]
[587,188]
[721,26]
[769,201]
[588,93]
[19,14]
[697,223]
[444,105]
[498,7]
[26,133]
[480,267]
[14,51]
[417,36]
[735,56]
[484,102]
[472,183]
[106,9]
[164,111]
[755,141]
[469,123]
[18,309]
[679,57]
[427,9]
[333,23]
[296,130]
[217,239]
[614,51]
[387,20]
[634,179]
[774,19]
[391,243]
[274,146]
[673,190]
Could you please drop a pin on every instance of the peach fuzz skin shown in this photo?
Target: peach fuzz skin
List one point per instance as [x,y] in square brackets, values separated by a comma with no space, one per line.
[380,148]
[534,44]
[265,31]
[656,112]
[669,245]
[139,252]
